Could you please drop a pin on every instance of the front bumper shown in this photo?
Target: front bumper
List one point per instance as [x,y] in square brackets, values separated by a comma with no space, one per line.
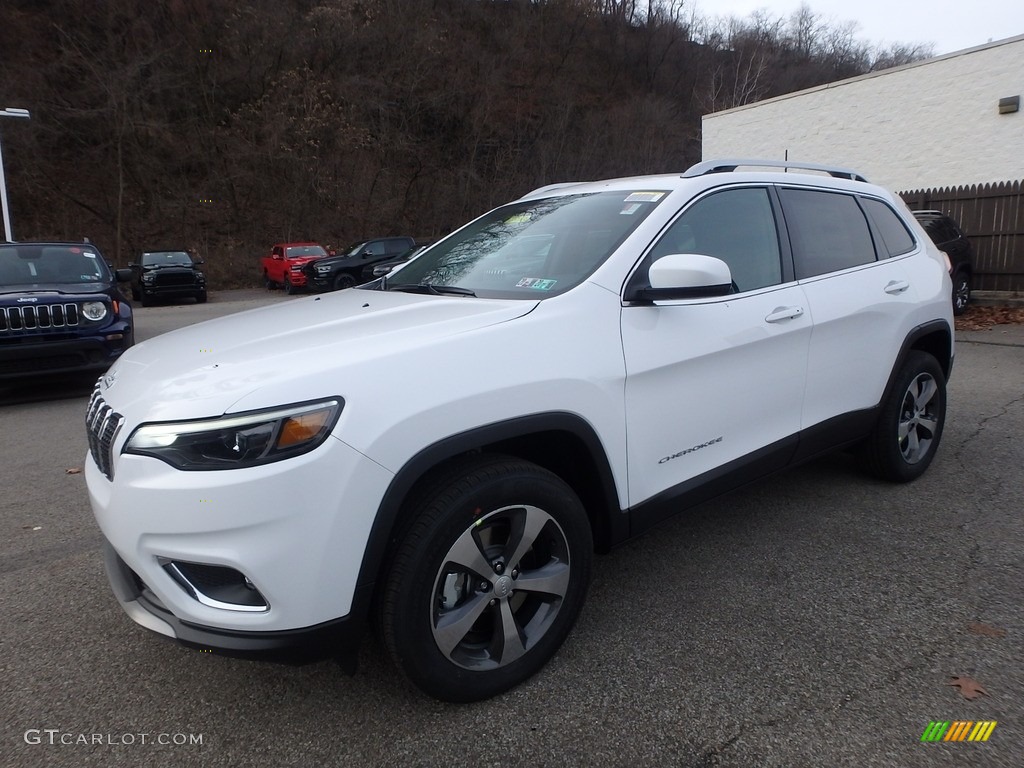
[160,291]
[317,283]
[338,639]
[38,356]
[296,530]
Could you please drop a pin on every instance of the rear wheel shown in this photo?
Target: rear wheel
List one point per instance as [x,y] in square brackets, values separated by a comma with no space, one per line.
[270,284]
[488,579]
[909,427]
[961,292]
[201,298]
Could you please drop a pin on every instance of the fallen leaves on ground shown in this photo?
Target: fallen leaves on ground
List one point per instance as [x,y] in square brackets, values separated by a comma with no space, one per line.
[969,689]
[982,318]
[987,630]
[73,471]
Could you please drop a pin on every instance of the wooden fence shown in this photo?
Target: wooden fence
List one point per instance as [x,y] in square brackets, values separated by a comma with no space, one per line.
[992,217]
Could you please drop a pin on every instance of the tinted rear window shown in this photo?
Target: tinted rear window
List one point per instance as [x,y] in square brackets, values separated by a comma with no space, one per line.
[895,235]
[828,231]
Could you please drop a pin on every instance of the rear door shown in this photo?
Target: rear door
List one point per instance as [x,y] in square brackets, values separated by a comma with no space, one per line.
[859,293]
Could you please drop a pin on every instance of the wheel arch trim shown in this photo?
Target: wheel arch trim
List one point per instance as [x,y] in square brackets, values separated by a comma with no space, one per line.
[389,512]
[924,338]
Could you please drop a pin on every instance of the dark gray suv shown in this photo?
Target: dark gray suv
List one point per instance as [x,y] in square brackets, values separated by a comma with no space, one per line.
[949,238]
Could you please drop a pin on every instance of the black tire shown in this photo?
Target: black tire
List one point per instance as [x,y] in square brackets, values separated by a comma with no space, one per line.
[146,301]
[343,281]
[961,291]
[135,294]
[909,427]
[288,287]
[201,298]
[479,510]
[270,284]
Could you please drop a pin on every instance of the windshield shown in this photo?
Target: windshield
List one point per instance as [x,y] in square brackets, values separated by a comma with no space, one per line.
[530,249]
[35,263]
[302,251]
[166,259]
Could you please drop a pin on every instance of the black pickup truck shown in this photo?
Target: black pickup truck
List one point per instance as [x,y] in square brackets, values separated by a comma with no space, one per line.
[346,269]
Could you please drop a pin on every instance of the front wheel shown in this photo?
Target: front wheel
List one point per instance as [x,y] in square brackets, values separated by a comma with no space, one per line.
[909,427]
[343,281]
[288,287]
[488,579]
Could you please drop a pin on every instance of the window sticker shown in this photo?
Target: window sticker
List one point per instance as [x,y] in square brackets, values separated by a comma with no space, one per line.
[518,218]
[536,283]
[89,254]
[629,210]
[644,197]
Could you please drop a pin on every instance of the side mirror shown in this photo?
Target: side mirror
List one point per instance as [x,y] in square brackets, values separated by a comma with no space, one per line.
[198,262]
[684,276]
[123,275]
[278,257]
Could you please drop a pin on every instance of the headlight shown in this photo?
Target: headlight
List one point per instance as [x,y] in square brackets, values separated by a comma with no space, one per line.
[297,267]
[323,270]
[94,310]
[243,440]
[147,279]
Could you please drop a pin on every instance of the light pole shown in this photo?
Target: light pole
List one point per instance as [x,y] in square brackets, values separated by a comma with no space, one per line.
[23,115]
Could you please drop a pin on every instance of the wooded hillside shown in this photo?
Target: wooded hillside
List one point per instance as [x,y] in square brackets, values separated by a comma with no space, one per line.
[226,126]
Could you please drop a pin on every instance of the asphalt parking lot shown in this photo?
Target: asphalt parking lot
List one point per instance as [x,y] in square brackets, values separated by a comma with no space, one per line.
[815,619]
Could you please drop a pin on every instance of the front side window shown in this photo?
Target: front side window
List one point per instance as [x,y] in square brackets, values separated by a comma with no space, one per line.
[828,231]
[529,249]
[734,225]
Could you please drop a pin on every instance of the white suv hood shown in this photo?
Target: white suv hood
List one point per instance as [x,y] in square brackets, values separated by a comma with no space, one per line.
[288,352]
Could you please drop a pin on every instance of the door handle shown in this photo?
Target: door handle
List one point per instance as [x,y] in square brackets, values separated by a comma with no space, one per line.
[896,287]
[783,313]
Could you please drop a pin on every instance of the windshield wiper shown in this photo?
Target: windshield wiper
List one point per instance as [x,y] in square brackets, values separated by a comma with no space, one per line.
[433,290]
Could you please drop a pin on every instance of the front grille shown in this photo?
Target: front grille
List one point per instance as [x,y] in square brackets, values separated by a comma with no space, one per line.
[102,424]
[32,317]
[164,281]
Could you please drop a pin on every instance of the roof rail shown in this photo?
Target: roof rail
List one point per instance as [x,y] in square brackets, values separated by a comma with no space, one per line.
[551,187]
[730,165]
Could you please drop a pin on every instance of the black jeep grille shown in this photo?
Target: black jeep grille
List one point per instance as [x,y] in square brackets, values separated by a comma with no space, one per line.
[32,317]
[101,425]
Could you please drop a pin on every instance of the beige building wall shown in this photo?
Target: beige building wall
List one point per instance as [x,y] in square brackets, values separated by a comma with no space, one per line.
[930,124]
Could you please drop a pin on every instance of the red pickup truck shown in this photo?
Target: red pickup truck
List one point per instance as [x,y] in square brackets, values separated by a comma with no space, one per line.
[283,267]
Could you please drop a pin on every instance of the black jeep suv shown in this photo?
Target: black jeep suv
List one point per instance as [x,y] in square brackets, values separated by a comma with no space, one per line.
[60,310]
[346,269]
[948,237]
[172,274]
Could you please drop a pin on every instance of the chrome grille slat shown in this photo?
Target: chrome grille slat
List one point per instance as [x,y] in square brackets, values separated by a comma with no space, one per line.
[32,317]
[102,425]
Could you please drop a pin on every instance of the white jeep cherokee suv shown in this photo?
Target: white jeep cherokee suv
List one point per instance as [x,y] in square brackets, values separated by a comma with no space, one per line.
[444,449]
